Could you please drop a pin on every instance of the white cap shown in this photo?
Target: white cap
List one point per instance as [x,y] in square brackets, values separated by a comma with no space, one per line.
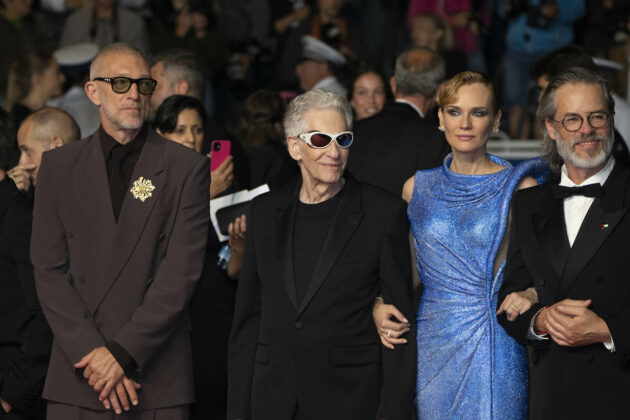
[314,49]
[76,55]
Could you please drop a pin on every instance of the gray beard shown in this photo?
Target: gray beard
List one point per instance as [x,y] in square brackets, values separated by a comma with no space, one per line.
[565,150]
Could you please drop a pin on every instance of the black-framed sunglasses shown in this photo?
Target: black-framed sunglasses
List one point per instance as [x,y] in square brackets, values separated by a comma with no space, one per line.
[573,122]
[320,140]
[122,84]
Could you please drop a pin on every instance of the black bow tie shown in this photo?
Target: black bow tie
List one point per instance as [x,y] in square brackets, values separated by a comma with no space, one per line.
[592,190]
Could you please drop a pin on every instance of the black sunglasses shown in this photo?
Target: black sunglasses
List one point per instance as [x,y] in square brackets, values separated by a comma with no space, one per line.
[122,84]
[319,140]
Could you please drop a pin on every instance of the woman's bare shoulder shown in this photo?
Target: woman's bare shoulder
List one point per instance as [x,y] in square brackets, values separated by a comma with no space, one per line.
[408,189]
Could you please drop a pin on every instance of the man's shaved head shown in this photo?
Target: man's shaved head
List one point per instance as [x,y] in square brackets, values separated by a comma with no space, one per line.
[116,48]
[52,122]
[43,130]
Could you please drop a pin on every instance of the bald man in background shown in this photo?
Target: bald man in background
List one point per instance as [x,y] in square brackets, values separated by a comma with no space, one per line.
[43,130]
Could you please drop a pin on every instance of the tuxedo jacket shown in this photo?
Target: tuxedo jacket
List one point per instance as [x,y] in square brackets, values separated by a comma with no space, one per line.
[323,354]
[580,382]
[25,338]
[391,146]
[128,282]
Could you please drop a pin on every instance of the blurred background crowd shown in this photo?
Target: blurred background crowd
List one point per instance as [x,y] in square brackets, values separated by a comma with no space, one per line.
[247,45]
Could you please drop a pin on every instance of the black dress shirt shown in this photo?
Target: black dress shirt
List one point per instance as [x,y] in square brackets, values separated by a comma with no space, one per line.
[120,160]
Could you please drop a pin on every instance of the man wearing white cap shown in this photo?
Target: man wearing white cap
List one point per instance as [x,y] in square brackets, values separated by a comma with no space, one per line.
[315,70]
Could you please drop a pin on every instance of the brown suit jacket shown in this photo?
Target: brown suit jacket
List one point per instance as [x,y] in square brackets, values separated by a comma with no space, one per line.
[130,281]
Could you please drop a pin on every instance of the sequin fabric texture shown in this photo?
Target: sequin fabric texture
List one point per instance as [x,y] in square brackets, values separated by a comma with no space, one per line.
[468,367]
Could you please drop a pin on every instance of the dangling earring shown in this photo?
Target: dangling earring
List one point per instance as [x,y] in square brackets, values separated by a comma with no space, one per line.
[495,130]
[441,128]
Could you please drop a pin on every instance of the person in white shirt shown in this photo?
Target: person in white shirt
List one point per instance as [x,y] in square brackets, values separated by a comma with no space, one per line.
[571,242]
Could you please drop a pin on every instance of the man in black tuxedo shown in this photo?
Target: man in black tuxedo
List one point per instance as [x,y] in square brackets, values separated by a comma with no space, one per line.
[25,338]
[570,242]
[318,252]
[393,144]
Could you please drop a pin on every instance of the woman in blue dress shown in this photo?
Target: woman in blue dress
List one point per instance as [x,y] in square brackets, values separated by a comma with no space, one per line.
[468,367]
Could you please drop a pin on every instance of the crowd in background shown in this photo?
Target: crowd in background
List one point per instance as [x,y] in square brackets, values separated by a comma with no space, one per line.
[247,45]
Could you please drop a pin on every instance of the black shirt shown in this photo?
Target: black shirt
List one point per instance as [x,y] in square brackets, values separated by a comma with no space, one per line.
[120,160]
[312,225]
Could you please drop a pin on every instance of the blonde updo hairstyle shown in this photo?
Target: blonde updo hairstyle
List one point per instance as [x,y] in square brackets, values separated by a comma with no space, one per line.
[448,94]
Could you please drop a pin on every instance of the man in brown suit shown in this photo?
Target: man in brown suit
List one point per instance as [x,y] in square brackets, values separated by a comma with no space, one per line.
[119,235]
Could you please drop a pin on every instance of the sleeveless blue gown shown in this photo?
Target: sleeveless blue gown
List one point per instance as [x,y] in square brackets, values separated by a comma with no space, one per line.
[468,367]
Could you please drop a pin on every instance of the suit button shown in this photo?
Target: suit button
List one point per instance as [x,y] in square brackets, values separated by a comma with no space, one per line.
[588,357]
[70,235]
[541,281]
[81,280]
[161,236]
[599,279]
[298,325]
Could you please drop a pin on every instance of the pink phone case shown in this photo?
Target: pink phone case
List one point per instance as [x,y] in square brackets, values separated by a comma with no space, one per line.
[220,150]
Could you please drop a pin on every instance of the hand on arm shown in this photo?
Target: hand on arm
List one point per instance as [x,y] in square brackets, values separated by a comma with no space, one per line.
[389,331]
[517,303]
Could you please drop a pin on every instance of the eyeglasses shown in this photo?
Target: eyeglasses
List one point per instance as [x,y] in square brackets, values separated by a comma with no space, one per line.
[319,140]
[573,122]
[121,84]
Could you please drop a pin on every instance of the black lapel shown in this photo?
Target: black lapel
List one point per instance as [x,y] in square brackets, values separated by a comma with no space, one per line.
[344,224]
[600,221]
[134,213]
[552,235]
[547,237]
[285,220]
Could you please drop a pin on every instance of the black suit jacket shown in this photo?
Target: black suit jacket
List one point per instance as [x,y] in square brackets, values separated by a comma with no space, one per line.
[25,338]
[392,145]
[582,382]
[324,354]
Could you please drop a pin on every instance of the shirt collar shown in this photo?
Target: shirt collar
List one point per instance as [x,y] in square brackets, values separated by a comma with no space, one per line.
[108,142]
[600,177]
[404,101]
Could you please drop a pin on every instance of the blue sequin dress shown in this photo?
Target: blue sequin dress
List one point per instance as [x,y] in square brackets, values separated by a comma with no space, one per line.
[468,367]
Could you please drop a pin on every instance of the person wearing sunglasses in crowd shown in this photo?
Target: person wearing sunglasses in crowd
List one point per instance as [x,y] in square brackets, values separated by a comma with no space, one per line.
[119,235]
[318,252]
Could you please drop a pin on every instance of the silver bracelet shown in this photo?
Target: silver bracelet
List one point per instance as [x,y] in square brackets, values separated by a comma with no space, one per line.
[533,321]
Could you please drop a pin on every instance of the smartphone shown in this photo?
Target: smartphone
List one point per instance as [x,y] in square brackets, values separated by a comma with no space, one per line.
[219,151]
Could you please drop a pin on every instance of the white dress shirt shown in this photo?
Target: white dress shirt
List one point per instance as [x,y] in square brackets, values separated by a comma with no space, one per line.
[575,209]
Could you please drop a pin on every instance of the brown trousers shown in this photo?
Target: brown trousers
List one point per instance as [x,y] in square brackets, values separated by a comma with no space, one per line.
[58,411]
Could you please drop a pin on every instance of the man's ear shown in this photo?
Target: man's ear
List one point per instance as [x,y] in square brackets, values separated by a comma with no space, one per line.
[392,84]
[294,148]
[551,130]
[92,92]
[55,142]
[180,88]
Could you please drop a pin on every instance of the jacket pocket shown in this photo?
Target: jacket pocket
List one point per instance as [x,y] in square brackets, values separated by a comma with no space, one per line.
[356,355]
[262,354]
